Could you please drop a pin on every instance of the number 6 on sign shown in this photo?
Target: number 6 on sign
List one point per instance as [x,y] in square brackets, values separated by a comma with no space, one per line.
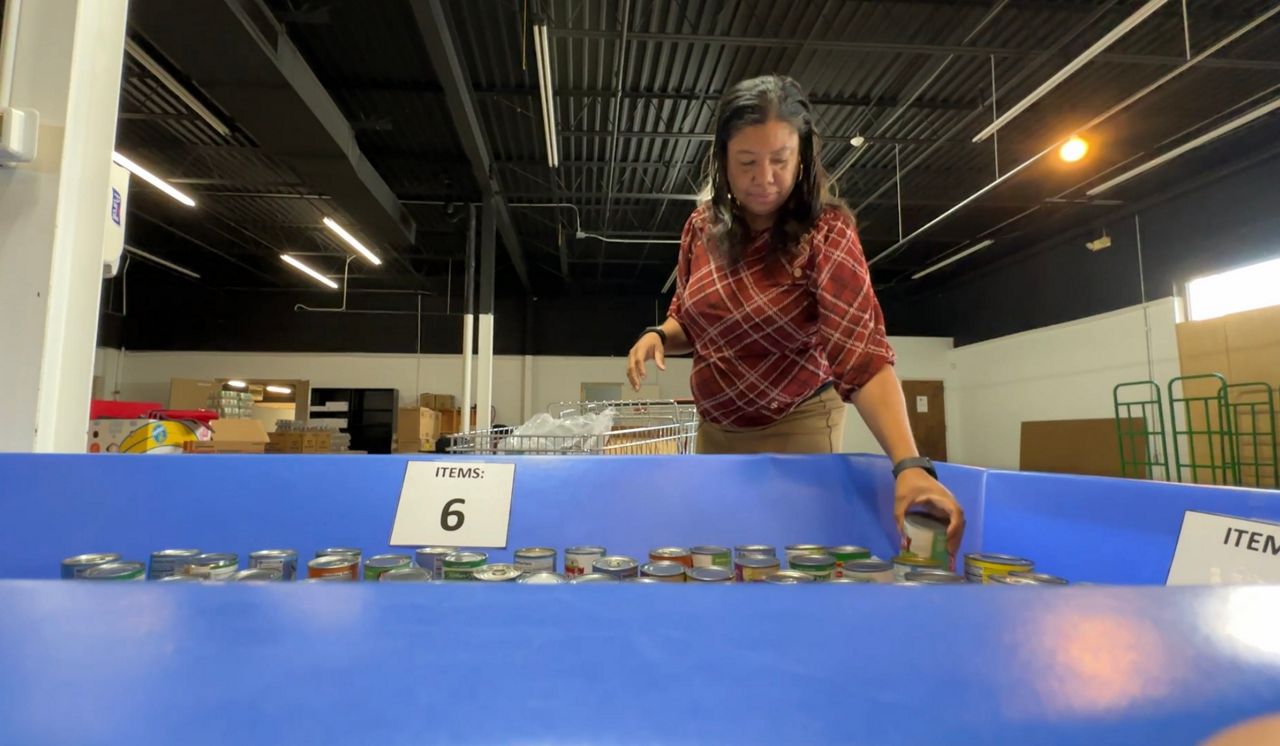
[454,504]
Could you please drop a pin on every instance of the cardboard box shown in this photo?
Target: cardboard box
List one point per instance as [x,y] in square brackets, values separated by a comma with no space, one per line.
[300,442]
[190,393]
[235,436]
[150,436]
[1081,447]
[438,402]
[416,426]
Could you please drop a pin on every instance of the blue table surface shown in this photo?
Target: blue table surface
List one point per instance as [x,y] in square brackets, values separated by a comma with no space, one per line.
[469,663]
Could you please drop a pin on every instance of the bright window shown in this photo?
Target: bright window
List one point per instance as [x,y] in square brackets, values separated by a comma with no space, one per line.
[1244,289]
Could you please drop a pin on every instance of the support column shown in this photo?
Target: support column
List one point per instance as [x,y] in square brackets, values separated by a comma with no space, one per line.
[468,320]
[53,215]
[484,319]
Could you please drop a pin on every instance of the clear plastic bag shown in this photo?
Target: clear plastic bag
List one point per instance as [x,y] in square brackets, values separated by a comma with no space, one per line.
[546,434]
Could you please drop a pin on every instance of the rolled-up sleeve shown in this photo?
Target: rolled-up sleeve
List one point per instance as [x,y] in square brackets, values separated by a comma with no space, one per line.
[850,322]
[683,263]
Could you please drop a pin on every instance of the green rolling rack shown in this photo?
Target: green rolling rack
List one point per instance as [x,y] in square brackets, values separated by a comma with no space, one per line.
[1203,442]
[1252,408]
[1140,428]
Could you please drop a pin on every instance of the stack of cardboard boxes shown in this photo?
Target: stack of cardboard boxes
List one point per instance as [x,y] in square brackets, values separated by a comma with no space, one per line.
[437,415]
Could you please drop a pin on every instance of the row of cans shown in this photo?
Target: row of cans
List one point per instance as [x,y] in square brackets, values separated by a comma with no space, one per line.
[745,563]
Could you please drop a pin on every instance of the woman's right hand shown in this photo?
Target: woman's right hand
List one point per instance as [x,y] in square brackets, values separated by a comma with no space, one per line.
[648,347]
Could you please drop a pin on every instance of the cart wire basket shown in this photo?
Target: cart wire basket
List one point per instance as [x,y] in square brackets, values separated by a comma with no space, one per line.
[639,428]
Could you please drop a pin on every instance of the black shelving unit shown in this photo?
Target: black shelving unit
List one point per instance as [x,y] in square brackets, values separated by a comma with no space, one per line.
[370,415]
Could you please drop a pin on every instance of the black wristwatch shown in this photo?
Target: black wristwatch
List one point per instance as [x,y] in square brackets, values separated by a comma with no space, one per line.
[656,330]
[918,462]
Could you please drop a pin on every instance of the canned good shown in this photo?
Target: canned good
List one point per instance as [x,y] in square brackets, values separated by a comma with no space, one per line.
[535,559]
[933,576]
[978,568]
[907,562]
[462,565]
[789,577]
[754,550]
[167,562]
[1028,578]
[180,579]
[378,564]
[709,574]
[817,566]
[670,572]
[754,569]
[712,556]
[617,566]
[593,577]
[795,550]
[431,559]
[580,560]
[846,553]
[333,567]
[115,571]
[341,578]
[543,578]
[405,575]
[213,565]
[850,581]
[74,567]
[926,536]
[256,574]
[869,571]
[285,561]
[497,572]
[339,552]
[646,579]
[678,555]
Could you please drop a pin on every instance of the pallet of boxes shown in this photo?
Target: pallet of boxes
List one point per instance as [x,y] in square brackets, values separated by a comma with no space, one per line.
[418,428]
[296,436]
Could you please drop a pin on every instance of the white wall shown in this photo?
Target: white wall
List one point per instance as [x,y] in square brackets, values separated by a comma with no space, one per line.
[1062,372]
[919,359]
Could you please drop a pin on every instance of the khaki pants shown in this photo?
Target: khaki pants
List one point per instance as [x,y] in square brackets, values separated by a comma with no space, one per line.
[816,426]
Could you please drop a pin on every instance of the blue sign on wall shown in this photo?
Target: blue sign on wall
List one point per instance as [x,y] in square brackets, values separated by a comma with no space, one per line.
[115,205]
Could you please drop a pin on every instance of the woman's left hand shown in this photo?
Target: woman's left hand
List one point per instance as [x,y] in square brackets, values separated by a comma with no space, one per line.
[916,491]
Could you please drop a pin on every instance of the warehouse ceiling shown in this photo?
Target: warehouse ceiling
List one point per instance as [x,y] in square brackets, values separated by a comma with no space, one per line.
[392,116]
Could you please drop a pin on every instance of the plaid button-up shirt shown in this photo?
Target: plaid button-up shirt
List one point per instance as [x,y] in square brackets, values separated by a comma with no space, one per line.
[769,332]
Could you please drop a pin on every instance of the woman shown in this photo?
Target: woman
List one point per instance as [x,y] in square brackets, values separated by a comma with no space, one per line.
[774,300]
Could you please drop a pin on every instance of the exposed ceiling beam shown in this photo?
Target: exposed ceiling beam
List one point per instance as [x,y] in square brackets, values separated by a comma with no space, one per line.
[237,54]
[707,136]
[442,47]
[773,42]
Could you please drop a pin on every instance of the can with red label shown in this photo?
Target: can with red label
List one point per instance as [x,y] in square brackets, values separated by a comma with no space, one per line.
[580,560]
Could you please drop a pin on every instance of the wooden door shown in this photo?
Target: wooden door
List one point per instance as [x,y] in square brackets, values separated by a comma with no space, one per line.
[927,411]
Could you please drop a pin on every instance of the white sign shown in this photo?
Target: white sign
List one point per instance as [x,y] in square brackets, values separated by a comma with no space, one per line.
[922,404]
[454,504]
[1222,550]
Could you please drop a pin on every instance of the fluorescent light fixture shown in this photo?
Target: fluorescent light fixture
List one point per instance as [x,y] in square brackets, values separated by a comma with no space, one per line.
[955,258]
[542,51]
[237,384]
[162,262]
[152,179]
[308,270]
[1236,291]
[1073,149]
[168,81]
[350,239]
[280,389]
[1213,134]
[1098,47]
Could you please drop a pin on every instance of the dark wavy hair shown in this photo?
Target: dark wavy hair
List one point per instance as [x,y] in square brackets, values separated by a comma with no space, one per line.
[757,101]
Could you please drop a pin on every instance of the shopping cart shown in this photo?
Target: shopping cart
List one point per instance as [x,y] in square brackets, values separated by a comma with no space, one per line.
[639,428]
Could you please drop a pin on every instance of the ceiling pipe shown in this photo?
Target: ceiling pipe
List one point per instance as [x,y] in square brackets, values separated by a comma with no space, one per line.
[1171,75]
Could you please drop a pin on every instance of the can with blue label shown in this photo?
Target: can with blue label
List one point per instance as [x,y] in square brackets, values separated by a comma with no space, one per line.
[284,561]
